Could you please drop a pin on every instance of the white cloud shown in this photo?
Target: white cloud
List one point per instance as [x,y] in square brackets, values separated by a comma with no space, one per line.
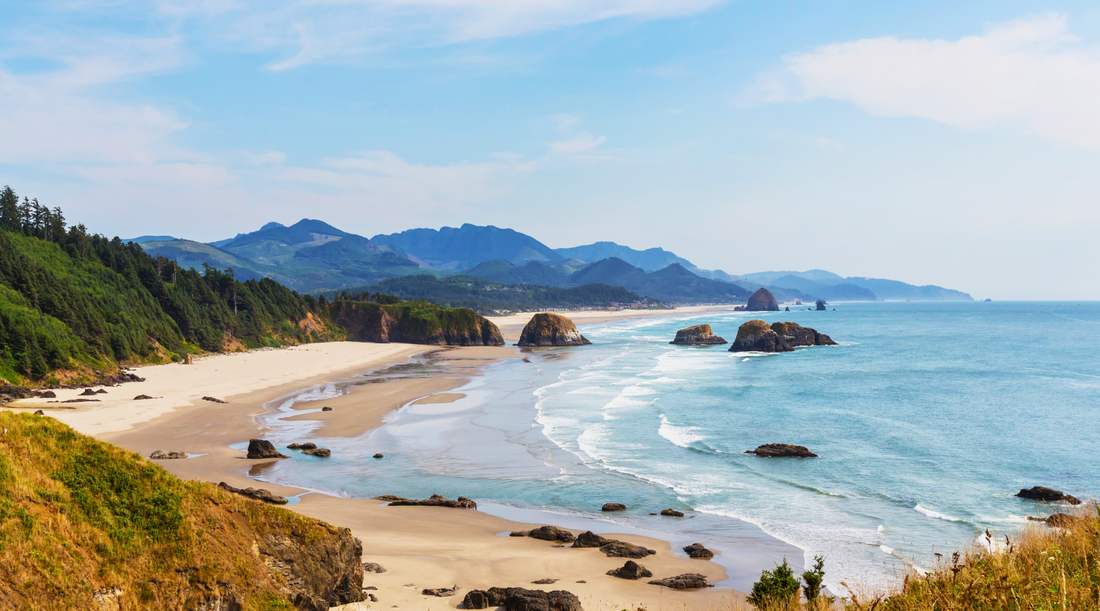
[580,144]
[1029,76]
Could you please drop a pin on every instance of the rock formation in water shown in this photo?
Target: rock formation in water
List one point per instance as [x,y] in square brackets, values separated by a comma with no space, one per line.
[821,305]
[797,335]
[672,513]
[613,507]
[759,336]
[1049,495]
[415,322]
[436,500]
[696,550]
[262,448]
[318,452]
[697,335]
[547,329]
[782,450]
[762,301]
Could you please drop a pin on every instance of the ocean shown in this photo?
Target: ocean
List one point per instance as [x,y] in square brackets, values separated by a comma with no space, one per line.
[927,419]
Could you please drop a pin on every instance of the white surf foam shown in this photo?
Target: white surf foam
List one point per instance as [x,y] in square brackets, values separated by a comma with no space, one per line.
[682,436]
[935,514]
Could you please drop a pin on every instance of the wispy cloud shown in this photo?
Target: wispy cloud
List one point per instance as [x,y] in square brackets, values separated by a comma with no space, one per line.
[1029,76]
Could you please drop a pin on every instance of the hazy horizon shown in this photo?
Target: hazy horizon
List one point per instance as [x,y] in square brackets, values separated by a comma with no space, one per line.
[930,143]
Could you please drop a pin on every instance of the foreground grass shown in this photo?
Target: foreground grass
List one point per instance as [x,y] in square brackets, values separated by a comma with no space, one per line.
[80,518]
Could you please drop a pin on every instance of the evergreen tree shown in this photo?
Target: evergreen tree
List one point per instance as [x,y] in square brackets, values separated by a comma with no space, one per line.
[9,210]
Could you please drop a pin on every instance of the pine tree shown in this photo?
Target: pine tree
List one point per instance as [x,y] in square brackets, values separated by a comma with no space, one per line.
[9,210]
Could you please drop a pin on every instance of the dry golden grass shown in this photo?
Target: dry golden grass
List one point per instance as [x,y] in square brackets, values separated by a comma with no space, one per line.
[78,516]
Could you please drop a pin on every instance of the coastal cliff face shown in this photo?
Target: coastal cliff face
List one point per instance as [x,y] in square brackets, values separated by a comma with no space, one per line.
[762,301]
[87,525]
[416,322]
[697,335]
[546,329]
[758,336]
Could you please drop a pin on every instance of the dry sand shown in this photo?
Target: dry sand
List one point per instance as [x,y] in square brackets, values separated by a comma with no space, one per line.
[423,547]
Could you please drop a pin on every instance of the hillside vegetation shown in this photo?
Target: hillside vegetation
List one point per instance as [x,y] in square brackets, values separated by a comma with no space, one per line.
[74,305]
[87,525]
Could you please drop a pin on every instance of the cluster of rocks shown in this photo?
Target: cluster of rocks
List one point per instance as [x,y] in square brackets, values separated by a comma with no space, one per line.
[162,455]
[214,400]
[310,448]
[782,450]
[259,494]
[696,550]
[546,329]
[759,336]
[698,335]
[88,392]
[436,500]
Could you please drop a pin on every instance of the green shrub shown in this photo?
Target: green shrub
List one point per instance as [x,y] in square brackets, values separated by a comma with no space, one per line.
[775,589]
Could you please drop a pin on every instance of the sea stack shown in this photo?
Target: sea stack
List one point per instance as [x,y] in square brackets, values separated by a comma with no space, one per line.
[697,335]
[757,336]
[546,329]
[820,305]
[797,335]
[762,301]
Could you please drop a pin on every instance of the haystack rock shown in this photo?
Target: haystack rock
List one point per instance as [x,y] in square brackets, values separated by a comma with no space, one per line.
[262,448]
[762,301]
[546,329]
[697,335]
[821,305]
[757,336]
[797,335]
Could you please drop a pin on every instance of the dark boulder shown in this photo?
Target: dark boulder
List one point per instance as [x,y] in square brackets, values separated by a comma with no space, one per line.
[259,494]
[88,392]
[100,392]
[672,513]
[552,533]
[630,570]
[309,445]
[326,409]
[687,581]
[622,549]
[48,394]
[379,456]
[782,450]
[546,329]
[142,398]
[762,301]
[1049,495]
[440,592]
[373,567]
[162,455]
[545,581]
[590,539]
[821,305]
[39,413]
[757,336]
[319,452]
[214,400]
[696,550]
[787,309]
[262,448]
[613,507]
[697,335]
[521,599]
[1062,520]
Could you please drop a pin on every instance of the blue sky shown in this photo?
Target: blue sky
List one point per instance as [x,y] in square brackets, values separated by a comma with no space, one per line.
[932,142]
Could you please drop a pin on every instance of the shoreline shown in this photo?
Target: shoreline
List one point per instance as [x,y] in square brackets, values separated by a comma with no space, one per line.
[411,541]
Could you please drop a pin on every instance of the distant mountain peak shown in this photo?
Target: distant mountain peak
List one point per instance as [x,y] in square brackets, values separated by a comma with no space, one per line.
[272,225]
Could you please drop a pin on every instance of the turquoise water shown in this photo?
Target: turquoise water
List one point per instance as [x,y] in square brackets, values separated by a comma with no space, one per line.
[927,418]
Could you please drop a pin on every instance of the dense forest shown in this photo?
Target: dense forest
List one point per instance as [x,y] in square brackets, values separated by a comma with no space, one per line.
[74,305]
[487,296]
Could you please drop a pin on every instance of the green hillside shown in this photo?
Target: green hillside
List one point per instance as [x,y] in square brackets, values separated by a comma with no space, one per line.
[87,525]
[486,296]
[75,305]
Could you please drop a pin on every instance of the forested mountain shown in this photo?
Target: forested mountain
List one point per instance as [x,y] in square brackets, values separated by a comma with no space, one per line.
[673,284]
[73,305]
[309,255]
[650,260]
[464,247]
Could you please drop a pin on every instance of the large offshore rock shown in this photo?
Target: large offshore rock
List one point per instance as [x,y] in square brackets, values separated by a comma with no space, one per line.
[797,335]
[1049,495]
[782,450]
[262,448]
[696,336]
[757,336]
[546,329]
[762,301]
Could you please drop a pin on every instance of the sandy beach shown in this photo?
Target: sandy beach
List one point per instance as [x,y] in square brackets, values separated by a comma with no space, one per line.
[421,547]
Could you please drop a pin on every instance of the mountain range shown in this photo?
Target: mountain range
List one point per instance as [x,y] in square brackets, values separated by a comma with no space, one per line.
[314,256]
